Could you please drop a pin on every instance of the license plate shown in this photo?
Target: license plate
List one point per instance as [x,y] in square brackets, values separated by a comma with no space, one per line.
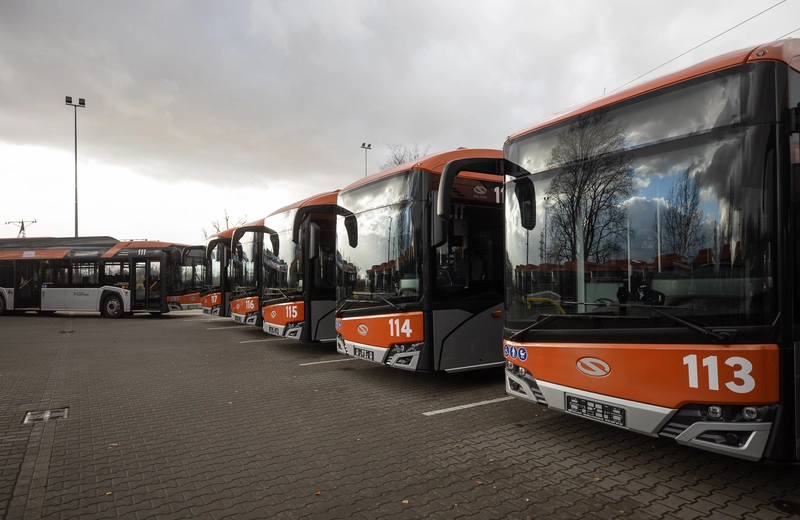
[238,319]
[364,354]
[274,330]
[601,412]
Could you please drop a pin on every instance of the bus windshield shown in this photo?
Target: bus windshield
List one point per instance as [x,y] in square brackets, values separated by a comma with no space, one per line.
[244,275]
[655,208]
[386,264]
[283,271]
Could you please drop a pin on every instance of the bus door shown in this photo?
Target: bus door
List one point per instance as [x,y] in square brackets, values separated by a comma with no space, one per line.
[467,321]
[147,285]
[28,293]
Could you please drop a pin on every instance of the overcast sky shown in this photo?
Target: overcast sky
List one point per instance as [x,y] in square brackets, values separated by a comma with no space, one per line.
[195,108]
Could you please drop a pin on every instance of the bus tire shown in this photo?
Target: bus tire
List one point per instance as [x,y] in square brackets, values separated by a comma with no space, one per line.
[2,305]
[112,306]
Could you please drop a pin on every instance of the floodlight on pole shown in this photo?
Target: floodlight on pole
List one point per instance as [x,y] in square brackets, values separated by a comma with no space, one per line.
[80,104]
[367,147]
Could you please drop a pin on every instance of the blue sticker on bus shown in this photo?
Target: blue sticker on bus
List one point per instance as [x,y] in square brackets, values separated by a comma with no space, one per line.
[513,352]
[505,350]
[523,354]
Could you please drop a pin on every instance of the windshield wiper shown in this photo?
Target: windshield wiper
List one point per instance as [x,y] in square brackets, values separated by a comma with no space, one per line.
[718,337]
[544,321]
[400,308]
[272,291]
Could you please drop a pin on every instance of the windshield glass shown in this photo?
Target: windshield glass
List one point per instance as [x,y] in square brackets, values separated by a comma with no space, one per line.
[664,201]
[244,264]
[387,261]
[188,277]
[215,271]
[284,271]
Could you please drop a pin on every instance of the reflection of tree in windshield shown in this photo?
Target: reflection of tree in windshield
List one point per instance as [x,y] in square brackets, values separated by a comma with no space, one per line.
[587,220]
[682,217]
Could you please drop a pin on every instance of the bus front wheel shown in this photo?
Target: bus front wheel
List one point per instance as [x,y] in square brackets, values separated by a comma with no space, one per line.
[112,307]
[2,305]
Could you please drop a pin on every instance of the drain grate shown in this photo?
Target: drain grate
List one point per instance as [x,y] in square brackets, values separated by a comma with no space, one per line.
[46,415]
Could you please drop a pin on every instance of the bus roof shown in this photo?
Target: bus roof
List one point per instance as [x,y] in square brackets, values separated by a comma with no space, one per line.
[52,248]
[46,248]
[328,197]
[787,51]
[433,163]
[228,233]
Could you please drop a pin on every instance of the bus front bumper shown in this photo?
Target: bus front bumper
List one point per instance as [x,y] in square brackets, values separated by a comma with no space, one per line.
[743,439]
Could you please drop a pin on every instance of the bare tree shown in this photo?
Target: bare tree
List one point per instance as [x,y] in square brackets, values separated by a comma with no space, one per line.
[218,226]
[682,216]
[400,154]
[587,219]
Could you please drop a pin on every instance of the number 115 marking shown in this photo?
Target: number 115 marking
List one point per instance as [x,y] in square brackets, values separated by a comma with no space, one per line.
[710,362]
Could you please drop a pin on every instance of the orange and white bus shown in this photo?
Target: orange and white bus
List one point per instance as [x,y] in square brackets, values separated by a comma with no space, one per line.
[248,271]
[216,293]
[90,274]
[411,299]
[656,287]
[299,295]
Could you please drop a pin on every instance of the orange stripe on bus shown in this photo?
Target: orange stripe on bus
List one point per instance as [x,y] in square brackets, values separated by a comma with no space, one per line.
[283,313]
[383,331]
[662,375]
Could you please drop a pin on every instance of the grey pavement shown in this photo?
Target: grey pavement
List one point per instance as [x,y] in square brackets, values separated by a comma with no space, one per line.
[186,416]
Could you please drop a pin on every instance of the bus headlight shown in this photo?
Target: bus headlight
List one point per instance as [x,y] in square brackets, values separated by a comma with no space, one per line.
[405,348]
[715,411]
[750,412]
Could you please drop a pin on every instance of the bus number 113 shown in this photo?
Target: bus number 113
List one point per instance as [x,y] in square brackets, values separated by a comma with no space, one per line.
[742,373]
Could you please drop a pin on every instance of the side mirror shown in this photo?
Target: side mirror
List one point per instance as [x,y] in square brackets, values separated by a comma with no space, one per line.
[351,225]
[526,197]
[276,242]
[438,222]
[313,241]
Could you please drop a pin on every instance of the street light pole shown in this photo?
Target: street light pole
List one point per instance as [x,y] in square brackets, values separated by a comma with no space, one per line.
[367,147]
[81,104]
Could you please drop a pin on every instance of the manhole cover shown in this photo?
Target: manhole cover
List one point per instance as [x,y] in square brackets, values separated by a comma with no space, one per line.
[46,415]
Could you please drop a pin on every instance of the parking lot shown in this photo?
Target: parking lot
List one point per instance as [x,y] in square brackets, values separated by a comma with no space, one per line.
[189,416]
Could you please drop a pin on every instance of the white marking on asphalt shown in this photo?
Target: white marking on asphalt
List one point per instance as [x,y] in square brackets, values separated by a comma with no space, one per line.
[258,340]
[224,328]
[330,361]
[465,406]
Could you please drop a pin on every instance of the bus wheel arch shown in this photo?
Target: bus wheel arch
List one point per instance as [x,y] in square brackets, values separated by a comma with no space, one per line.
[112,306]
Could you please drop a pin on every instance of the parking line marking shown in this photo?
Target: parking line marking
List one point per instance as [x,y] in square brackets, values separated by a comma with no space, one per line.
[223,328]
[257,340]
[330,361]
[465,406]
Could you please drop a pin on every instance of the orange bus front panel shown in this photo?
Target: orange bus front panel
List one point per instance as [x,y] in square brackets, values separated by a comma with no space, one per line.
[394,339]
[662,375]
[284,319]
[245,310]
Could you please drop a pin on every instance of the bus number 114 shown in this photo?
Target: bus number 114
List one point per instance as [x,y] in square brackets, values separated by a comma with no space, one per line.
[395,329]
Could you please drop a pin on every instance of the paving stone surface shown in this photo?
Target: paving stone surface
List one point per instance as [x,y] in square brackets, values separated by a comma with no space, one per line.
[186,416]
